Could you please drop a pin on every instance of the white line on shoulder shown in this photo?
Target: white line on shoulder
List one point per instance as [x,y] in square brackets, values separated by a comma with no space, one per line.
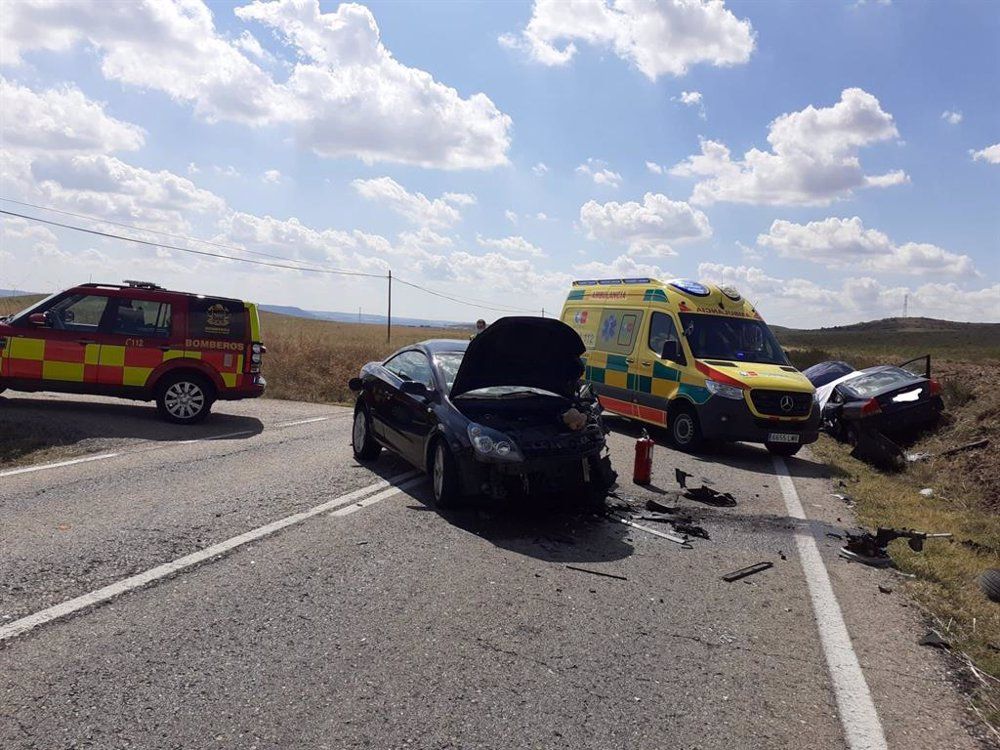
[57,464]
[301,421]
[388,488]
[858,716]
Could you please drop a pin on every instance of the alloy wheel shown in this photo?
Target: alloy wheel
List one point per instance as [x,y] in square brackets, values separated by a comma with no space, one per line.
[184,399]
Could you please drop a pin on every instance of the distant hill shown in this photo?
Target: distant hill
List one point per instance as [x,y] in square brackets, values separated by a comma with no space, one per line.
[13,293]
[343,317]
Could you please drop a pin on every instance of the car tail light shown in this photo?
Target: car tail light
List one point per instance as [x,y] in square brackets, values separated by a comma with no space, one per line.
[256,357]
[935,387]
[871,407]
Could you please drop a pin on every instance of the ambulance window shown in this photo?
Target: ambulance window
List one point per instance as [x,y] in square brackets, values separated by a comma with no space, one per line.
[80,312]
[618,331]
[217,319]
[140,317]
[662,330]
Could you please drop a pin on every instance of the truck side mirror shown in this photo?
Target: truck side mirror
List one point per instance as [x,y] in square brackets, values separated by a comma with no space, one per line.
[671,351]
[39,319]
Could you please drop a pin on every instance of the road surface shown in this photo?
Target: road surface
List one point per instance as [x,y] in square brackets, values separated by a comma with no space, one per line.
[246,584]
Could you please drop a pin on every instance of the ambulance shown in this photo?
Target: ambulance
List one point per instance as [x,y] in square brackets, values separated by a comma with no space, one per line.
[136,340]
[694,358]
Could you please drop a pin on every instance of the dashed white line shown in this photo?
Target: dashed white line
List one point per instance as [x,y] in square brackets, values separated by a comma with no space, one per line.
[858,716]
[301,421]
[57,464]
[388,488]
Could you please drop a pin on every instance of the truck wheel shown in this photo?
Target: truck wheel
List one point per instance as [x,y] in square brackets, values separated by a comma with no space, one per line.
[444,476]
[365,447]
[685,432]
[782,449]
[184,398]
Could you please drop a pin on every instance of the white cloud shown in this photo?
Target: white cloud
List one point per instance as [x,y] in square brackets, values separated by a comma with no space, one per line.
[346,94]
[989,154]
[750,254]
[952,118]
[648,228]
[272,176]
[192,168]
[813,161]
[692,99]
[622,267]
[62,119]
[653,167]
[417,207]
[511,216]
[597,170]
[803,303]
[540,169]
[663,38]
[517,245]
[227,171]
[541,216]
[846,243]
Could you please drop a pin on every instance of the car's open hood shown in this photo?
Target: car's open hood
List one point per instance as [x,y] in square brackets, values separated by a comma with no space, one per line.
[531,352]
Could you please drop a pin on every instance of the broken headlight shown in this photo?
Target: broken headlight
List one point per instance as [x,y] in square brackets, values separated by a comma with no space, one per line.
[726,391]
[492,444]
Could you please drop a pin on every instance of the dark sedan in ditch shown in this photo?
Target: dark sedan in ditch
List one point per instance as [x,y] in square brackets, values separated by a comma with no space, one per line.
[504,414]
[893,400]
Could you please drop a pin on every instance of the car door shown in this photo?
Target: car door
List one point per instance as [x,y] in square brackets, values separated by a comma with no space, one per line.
[919,366]
[655,379]
[407,416]
[135,340]
[63,352]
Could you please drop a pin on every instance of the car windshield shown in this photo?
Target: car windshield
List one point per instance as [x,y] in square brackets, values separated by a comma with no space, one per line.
[730,338]
[448,364]
[868,385]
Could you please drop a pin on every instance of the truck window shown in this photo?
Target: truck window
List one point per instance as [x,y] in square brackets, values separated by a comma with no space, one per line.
[662,330]
[140,317]
[618,331]
[79,312]
[216,319]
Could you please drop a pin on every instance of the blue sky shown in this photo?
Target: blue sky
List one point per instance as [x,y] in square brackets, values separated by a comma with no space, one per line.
[412,136]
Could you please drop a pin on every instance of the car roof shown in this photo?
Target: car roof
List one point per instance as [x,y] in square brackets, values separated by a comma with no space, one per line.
[146,288]
[433,346]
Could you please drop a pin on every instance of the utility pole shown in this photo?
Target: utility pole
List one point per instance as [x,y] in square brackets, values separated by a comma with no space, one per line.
[388,316]
[359,314]
[543,312]
[906,303]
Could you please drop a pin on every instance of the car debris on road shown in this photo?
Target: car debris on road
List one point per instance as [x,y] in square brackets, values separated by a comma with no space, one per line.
[871,549]
[747,571]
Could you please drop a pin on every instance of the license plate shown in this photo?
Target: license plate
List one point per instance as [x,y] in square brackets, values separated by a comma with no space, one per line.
[782,437]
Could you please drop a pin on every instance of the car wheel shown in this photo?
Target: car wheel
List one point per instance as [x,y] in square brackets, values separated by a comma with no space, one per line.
[444,476]
[782,449]
[184,398]
[989,581]
[365,447]
[685,432]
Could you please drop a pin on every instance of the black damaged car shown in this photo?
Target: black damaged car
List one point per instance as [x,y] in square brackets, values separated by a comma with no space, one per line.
[504,414]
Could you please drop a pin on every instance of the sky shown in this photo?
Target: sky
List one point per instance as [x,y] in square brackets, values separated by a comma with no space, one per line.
[830,160]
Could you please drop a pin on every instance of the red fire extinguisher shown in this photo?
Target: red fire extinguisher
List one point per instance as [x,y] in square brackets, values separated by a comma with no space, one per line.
[642,473]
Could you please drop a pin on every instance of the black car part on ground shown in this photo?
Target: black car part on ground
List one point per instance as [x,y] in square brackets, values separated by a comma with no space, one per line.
[872,549]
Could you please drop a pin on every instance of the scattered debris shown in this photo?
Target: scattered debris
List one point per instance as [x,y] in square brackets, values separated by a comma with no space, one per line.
[934,640]
[682,477]
[747,571]
[671,537]
[870,549]
[834,535]
[918,456]
[875,448]
[843,498]
[927,492]
[781,554]
[598,573]
[658,506]
[885,589]
[685,527]
[709,496]
[967,447]
[989,582]
[983,549]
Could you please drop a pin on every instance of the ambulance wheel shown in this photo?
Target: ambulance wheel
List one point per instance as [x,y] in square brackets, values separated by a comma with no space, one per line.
[364,445]
[782,449]
[184,398]
[444,476]
[685,432]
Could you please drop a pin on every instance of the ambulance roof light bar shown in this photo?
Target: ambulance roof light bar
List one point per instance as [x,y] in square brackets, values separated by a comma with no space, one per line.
[134,284]
[608,282]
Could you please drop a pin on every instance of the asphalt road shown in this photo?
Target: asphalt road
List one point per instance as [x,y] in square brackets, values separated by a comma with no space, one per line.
[360,617]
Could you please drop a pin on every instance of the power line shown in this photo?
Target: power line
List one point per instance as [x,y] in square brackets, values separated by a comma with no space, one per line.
[468,301]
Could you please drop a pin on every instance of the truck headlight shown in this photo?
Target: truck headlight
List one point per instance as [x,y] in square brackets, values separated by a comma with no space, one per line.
[492,444]
[722,389]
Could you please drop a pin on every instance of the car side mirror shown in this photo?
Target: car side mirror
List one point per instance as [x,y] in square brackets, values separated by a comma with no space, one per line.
[671,350]
[39,319]
[356,384]
[415,388]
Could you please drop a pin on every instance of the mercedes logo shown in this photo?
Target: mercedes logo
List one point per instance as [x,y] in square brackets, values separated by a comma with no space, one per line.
[787,403]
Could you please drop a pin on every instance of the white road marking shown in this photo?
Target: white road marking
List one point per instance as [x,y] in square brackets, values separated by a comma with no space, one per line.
[858,717]
[168,443]
[57,464]
[347,510]
[389,487]
[301,421]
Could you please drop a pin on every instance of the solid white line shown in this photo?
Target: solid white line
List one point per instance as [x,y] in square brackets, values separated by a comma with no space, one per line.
[301,421]
[168,443]
[23,625]
[858,717]
[347,510]
[57,464]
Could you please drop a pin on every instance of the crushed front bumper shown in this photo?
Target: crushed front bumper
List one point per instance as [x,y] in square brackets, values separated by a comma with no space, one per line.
[538,475]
